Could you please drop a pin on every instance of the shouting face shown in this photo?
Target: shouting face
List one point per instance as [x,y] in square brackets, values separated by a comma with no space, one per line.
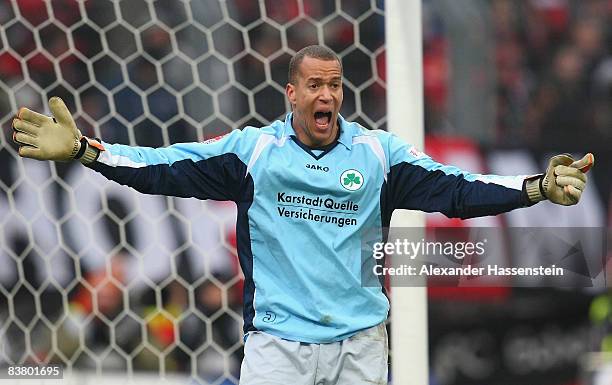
[316,97]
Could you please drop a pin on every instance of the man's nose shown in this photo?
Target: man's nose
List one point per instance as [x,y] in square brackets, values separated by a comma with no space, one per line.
[325,94]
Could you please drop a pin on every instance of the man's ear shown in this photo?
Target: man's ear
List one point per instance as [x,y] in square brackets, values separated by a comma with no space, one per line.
[290,92]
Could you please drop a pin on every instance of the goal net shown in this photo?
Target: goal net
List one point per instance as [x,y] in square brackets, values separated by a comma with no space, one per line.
[94,276]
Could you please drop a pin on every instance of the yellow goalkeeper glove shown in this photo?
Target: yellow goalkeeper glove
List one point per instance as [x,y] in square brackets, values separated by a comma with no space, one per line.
[564,181]
[44,138]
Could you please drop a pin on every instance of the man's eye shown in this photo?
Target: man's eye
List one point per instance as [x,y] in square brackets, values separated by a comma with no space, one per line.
[314,86]
[335,85]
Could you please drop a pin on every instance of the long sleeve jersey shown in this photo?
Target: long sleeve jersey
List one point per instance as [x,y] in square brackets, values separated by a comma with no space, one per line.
[301,213]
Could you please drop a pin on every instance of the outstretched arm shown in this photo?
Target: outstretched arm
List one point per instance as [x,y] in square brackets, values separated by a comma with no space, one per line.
[212,170]
[416,181]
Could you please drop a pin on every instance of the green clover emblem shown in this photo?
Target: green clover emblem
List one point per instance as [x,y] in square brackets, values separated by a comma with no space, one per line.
[351,179]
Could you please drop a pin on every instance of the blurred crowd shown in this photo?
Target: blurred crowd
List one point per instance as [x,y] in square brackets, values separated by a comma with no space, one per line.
[552,63]
[170,72]
[541,77]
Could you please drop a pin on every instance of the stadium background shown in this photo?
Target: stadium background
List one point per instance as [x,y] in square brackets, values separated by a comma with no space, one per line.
[98,278]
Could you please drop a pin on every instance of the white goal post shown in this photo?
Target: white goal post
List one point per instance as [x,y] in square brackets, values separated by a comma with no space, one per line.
[403,29]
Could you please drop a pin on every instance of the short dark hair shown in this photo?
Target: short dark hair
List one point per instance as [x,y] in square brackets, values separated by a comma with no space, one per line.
[313,51]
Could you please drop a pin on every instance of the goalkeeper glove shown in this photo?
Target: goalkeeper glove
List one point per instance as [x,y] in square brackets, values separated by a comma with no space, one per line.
[564,181]
[44,138]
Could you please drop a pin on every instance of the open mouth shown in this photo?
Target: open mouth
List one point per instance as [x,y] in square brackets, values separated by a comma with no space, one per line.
[322,119]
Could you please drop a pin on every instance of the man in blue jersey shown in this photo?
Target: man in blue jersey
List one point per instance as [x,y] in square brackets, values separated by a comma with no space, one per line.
[323,181]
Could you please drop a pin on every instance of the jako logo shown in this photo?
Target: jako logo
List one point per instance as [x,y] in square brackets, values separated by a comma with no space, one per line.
[351,180]
[317,167]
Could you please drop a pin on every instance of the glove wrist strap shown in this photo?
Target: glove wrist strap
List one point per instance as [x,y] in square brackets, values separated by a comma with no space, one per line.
[90,155]
[82,148]
[89,151]
[533,188]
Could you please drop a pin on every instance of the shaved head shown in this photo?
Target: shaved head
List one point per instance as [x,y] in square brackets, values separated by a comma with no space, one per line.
[314,51]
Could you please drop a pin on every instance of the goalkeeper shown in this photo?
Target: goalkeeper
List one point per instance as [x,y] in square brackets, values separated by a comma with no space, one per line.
[323,181]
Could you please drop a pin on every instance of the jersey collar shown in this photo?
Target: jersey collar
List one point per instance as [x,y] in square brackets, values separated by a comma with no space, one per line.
[346,131]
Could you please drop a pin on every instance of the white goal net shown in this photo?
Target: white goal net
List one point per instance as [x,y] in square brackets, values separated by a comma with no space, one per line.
[94,276]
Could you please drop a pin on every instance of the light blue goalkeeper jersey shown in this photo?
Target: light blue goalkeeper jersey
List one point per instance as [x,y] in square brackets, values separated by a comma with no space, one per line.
[301,214]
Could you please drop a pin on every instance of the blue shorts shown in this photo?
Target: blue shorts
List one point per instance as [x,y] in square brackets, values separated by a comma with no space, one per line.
[360,359]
